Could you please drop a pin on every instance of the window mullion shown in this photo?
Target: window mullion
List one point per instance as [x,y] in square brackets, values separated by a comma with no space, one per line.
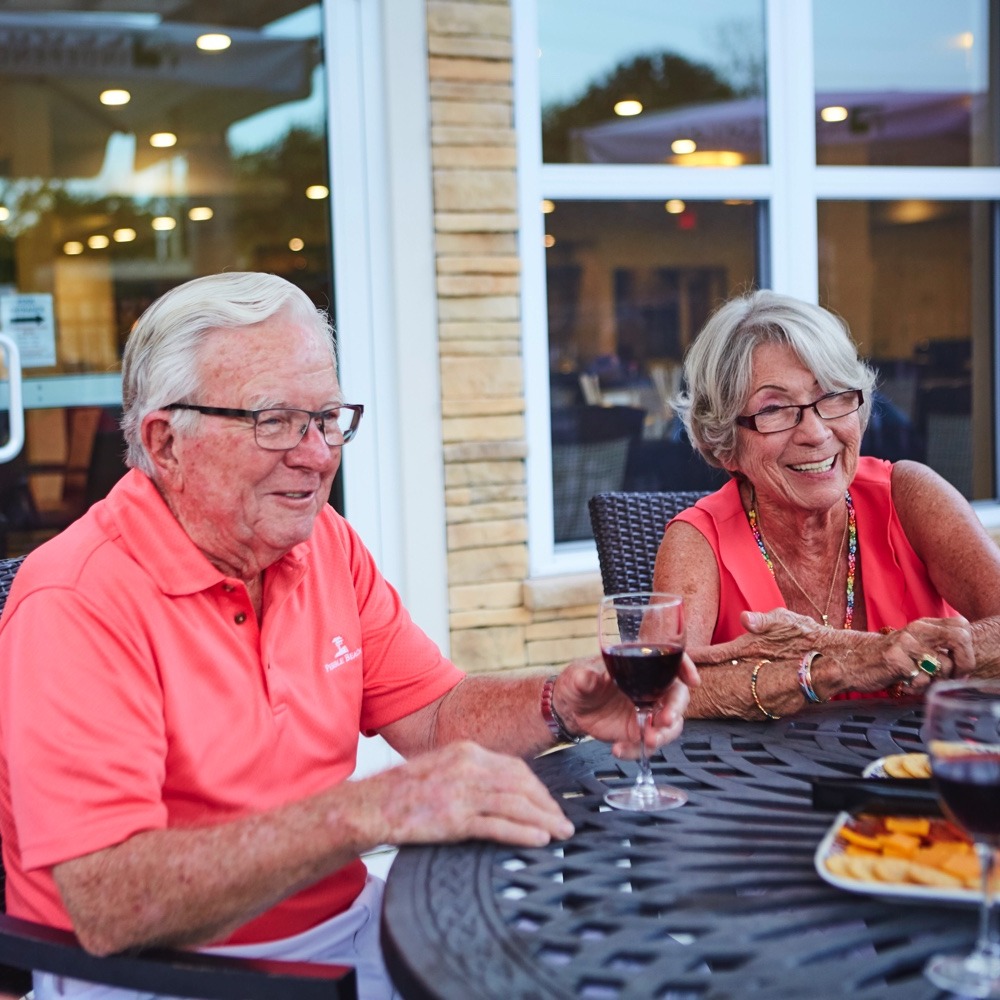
[792,148]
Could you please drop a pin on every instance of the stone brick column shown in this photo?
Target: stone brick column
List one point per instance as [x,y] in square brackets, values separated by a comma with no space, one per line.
[497,619]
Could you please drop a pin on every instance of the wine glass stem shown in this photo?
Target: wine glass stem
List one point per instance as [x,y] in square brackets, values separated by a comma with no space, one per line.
[988,945]
[644,783]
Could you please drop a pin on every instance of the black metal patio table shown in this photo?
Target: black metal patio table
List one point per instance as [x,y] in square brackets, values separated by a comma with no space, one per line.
[717,899]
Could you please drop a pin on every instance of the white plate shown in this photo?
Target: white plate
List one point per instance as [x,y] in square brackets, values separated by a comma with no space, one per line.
[884,890]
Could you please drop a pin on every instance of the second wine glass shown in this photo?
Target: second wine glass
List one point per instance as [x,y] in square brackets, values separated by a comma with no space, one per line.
[642,641]
[962,733]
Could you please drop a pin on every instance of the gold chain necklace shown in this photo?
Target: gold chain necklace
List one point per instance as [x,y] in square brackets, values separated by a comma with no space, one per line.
[755,525]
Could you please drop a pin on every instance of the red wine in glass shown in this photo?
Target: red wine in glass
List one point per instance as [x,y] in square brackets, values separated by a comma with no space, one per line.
[641,636]
[643,672]
[962,732]
[969,787]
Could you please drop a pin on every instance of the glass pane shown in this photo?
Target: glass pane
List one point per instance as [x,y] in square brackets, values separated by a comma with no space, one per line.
[907,82]
[912,280]
[134,156]
[71,457]
[141,147]
[652,81]
[630,283]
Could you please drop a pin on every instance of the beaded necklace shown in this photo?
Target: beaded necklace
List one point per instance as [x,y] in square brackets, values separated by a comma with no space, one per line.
[852,556]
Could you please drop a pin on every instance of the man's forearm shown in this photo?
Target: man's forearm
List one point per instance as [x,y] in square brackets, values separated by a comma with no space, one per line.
[193,886]
[499,712]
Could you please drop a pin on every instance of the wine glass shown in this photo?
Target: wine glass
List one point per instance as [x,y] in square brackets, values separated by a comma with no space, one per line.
[962,733]
[642,642]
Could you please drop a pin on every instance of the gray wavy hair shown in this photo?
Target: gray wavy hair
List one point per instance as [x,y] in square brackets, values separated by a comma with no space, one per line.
[162,363]
[717,367]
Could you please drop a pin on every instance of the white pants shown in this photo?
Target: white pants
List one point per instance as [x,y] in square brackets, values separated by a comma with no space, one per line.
[350,938]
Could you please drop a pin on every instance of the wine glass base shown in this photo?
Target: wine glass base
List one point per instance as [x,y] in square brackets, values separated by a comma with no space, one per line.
[966,975]
[649,798]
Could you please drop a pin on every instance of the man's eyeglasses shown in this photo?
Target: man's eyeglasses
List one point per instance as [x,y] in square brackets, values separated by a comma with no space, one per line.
[281,428]
[772,419]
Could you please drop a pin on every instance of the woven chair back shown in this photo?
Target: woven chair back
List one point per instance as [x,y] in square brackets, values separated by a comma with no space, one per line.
[8,567]
[628,528]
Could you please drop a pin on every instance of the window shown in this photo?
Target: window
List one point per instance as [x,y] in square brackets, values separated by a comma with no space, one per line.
[140,150]
[680,153]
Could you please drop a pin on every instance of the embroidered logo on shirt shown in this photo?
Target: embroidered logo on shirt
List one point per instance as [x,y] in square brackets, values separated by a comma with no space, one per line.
[343,655]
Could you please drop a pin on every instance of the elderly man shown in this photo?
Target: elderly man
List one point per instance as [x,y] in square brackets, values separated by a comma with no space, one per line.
[185,671]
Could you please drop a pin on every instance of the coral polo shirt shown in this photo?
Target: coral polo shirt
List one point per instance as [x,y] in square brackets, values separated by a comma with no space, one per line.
[137,692]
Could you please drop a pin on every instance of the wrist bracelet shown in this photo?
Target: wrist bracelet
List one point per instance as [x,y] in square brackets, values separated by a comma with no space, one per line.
[805,676]
[555,725]
[753,691]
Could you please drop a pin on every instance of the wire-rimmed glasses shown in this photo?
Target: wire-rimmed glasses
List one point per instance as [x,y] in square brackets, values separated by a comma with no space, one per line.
[281,428]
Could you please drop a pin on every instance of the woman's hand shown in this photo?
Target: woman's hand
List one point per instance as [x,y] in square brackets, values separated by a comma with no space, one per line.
[925,650]
[773,635]
[869,661]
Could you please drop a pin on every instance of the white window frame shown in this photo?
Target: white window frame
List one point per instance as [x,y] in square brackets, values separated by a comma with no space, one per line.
[790,183]
[386,317]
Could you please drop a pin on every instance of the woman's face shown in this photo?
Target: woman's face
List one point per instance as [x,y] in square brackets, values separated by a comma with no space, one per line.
[807,466]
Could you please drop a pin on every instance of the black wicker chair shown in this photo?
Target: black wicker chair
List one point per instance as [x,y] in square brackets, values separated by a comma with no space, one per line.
[628,528]
[25,945]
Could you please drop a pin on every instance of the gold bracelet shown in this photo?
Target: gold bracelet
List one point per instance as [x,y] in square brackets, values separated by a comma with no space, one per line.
[753,691]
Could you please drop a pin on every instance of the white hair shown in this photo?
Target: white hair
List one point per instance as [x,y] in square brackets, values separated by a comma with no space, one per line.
[718,365]
[161,363]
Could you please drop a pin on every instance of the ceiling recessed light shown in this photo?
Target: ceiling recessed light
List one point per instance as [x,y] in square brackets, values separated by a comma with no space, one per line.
[163,223]
[628,108]
[682,146]
[213,42]
[163,140]
[115,98]
[317,192]
[295,244]
[124,235]
[675,206]
[98,241]
[200,213]
[834,113]
[72,248]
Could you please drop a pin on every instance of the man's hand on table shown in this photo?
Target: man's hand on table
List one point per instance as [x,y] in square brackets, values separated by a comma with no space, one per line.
[463,791]
[588,701]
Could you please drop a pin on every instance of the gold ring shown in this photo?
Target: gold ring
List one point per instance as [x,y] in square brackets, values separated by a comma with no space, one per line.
[929,664]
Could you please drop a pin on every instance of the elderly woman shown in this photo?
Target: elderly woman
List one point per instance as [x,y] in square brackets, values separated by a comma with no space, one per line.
[815,573]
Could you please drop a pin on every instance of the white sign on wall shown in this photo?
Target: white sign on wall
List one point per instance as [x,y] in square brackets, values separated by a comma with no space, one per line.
[30,321]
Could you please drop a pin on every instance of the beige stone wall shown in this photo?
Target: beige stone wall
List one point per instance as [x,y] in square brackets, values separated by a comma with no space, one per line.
[497,618]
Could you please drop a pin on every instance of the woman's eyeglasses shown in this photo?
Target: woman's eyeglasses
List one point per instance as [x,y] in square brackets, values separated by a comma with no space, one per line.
[772,419]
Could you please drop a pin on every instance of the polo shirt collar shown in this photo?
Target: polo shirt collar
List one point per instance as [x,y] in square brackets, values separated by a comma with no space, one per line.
[156,540]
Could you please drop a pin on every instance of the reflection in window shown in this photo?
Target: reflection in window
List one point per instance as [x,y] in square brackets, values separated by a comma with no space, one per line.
[201,164]
[71,458]
[911,280]
[652,81]
[137,152]
[629,285]
[907,83]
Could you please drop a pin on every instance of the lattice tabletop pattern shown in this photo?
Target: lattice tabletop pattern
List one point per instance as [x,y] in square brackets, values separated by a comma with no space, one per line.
[717,899]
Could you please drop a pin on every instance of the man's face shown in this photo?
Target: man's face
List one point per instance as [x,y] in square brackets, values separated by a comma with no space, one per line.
[245,506]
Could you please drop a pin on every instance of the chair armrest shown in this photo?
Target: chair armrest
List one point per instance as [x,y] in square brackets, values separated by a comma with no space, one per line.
[28,945]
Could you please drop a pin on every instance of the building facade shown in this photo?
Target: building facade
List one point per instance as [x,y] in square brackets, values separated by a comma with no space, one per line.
[490,244]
